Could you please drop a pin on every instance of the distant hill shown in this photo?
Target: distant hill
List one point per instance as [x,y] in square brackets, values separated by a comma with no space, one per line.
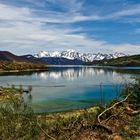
[133,60]
[9,61]
[8,56]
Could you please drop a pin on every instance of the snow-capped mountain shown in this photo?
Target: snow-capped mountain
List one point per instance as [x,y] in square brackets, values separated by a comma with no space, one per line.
[74,55]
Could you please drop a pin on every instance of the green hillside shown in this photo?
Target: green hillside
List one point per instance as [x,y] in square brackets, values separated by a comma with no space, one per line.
[133,60]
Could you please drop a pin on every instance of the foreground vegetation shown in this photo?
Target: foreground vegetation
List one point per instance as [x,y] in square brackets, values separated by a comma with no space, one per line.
[19,66]
[117,121]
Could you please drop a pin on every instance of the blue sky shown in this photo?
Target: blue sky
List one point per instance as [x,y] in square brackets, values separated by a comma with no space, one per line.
[106,26]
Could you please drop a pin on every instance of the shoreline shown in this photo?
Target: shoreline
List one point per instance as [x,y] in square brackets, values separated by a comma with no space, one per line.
[74,66]
[27,70]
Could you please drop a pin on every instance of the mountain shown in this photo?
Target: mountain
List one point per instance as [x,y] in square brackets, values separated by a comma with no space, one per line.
[70,56]
[9,61]
[8,56]
[61,61]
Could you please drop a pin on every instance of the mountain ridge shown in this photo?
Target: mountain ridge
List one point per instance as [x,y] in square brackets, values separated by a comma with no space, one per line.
[73,55]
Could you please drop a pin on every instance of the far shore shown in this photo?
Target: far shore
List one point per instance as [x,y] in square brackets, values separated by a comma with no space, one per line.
[70,66]
[26,70]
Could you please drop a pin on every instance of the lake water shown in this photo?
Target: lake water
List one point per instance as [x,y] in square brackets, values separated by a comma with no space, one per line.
[66,88]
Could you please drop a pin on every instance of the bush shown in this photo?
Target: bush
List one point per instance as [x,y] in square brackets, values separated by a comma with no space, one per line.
[17,122]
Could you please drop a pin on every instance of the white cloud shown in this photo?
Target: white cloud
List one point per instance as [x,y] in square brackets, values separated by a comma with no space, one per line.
[29,37]
[13,13]
[24,30]
[125,48]
[134,10]
[72,12]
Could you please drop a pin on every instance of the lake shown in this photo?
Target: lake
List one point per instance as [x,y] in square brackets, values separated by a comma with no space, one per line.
[65,88]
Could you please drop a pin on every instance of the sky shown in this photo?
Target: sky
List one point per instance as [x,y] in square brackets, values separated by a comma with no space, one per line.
[92,26]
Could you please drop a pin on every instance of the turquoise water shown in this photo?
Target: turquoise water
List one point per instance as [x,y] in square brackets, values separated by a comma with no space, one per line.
[60,89]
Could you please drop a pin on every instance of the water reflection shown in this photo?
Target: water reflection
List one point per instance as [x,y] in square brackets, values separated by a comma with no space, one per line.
[100,75]
[71,73]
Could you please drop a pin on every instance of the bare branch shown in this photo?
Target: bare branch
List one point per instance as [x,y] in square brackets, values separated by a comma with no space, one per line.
[112,107]
[45,132]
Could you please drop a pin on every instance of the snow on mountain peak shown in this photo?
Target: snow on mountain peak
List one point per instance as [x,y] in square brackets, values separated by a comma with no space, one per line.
[72,55]
[55,54]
